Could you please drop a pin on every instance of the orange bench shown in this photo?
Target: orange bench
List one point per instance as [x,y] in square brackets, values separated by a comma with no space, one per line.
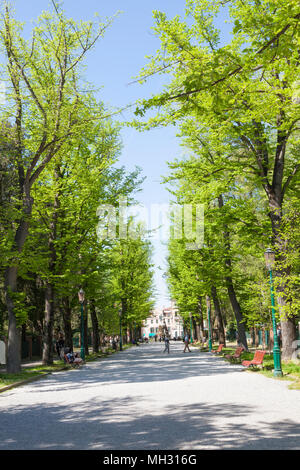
[221,346]
[236,355]
[257,359]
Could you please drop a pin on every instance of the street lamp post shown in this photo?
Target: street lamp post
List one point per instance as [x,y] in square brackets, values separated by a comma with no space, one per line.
[270,260]
[82,348]
[121,340]
[208,304]
[191,328]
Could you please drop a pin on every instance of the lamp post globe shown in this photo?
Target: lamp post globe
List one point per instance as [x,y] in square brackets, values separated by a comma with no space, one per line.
[269,258]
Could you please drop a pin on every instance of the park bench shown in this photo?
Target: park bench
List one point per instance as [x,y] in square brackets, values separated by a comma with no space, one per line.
[221,346]
[257,359]
[236,356]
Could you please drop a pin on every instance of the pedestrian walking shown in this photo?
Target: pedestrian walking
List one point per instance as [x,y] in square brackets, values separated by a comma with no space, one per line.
[114,343]
[167,345]
[186,343]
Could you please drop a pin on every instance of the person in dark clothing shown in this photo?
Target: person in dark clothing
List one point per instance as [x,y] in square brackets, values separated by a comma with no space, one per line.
[167,345]
[60,344]
[279,336]
[186,343]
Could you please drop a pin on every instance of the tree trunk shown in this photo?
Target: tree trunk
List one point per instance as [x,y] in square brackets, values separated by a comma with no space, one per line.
[271,340]
[48,325]
[263,335]
[197,331]
[288,323]
[23,333]
[131,334]
[49,293]
[230,288]
[14,335]
[86,335]
[275,194]
[95,326]
[67,317]
[289,336]
[10,283]
[123,318]
[201,326]
[195,328]
[102,336]
[237,313]
[256,341]
[222,339]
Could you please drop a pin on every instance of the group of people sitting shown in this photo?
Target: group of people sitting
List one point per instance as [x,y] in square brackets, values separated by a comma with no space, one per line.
[111,341]
[65,353]
[73,357]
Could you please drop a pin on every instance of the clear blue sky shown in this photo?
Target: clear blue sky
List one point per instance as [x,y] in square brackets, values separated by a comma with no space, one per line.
[116,59]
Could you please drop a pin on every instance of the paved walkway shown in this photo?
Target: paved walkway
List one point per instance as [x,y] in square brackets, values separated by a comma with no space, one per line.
[142,398]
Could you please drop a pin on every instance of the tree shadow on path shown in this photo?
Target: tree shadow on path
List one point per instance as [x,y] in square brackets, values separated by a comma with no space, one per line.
[147,364]
[119,424]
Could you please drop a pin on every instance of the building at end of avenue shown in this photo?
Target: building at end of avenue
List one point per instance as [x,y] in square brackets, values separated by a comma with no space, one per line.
[162,320]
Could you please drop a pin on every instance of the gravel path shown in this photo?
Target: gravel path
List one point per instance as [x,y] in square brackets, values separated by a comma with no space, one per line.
[145,399]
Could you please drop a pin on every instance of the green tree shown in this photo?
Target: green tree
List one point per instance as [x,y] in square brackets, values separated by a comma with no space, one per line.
[240,99]
[47,110]
[132,279]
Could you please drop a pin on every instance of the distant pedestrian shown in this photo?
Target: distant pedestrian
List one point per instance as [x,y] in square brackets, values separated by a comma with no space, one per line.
[60,344]
[167,345]
[279,336]
[186,343]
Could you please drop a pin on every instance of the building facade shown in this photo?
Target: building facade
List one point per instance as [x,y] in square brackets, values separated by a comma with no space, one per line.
[162,320]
